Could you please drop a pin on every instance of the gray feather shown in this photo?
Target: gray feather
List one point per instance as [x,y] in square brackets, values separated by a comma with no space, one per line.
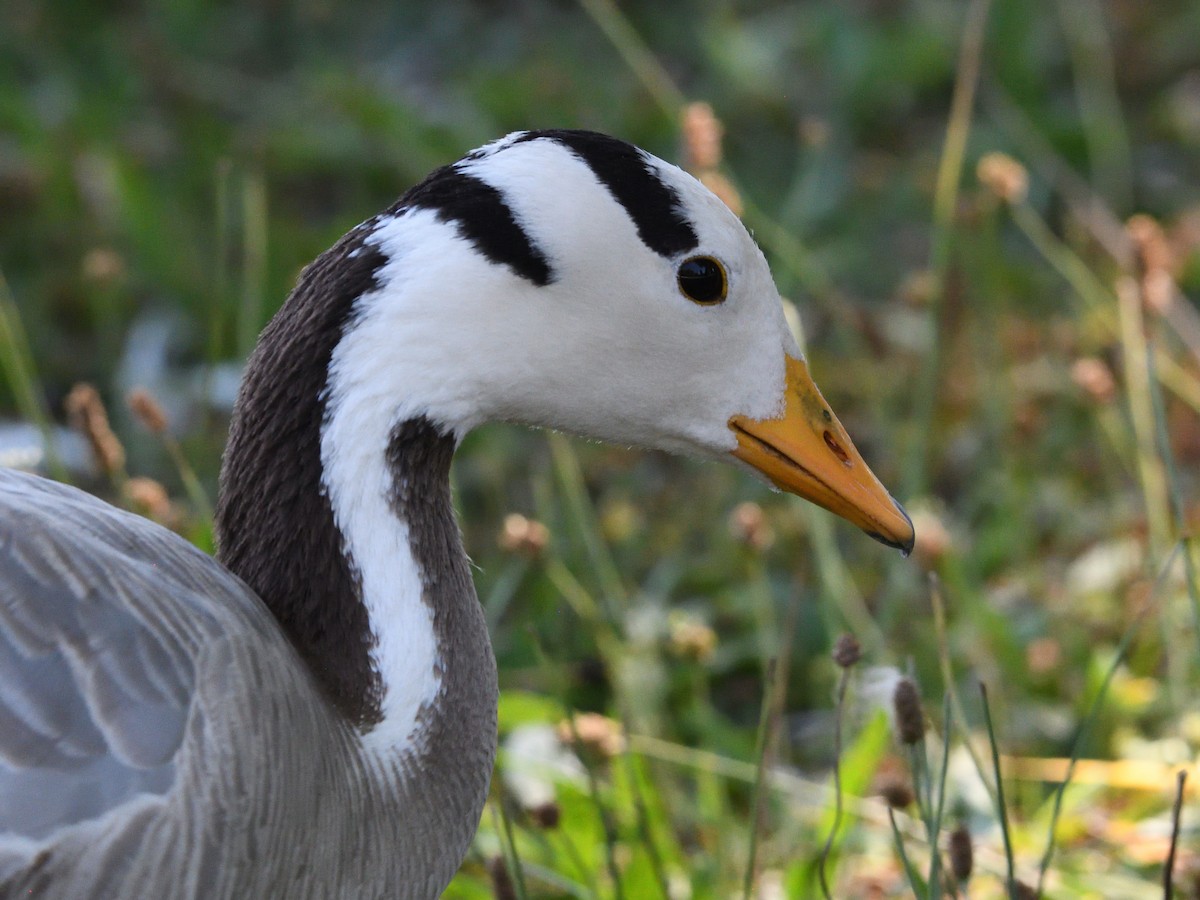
[159,737]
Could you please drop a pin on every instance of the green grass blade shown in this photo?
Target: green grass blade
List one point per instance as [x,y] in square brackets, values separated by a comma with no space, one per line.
[1175,492]
[1002,812]
[843,681]
[16,362]
[508,845]
[764,722]
[1094,710]
[935,854]
[937,602]
[945,202]
[914,880]
[583,517]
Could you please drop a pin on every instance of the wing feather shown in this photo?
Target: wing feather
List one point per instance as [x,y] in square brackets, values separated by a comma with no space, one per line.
[102,618]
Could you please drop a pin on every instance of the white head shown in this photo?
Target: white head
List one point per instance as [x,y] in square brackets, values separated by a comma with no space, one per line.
[538,280]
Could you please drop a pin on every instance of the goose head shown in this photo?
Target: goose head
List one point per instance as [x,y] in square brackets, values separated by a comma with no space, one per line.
[559,279]
[571,281]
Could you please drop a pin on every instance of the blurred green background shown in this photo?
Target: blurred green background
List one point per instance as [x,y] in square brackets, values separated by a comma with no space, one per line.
[1019,362]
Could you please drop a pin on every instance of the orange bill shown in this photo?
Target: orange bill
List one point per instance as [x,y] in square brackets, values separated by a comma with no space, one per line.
[806,451]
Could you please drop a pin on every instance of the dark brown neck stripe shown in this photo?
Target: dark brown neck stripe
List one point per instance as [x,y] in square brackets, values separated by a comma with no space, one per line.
[275,526]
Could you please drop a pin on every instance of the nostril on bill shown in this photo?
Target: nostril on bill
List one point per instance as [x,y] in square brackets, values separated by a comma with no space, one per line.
[833,445]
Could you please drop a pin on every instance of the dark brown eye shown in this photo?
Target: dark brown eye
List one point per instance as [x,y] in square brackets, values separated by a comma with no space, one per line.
[702,279]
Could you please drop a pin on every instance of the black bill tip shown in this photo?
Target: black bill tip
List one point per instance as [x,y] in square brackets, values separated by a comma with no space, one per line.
[905,545]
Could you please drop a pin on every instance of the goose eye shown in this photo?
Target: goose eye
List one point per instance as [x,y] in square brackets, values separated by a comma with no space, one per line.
[702,279]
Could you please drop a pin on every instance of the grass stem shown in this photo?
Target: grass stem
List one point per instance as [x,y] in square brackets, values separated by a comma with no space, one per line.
[1176,815]
[606,821]
[1139,394]
[1094,710]
[16,362]
[914,880]
[633,50]
[251,318]
[1174,488]
[1100,112]
[508,845]
[641,810]
[960,716]
[935,853]
[839,711]
[945,202]
[583,517]
[758,793]
[1002,812]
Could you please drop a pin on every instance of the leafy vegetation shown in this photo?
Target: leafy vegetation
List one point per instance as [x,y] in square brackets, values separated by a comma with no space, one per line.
[987,215]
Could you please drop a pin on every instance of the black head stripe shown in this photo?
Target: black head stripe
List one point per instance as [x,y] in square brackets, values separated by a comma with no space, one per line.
[653,205]
[482,217]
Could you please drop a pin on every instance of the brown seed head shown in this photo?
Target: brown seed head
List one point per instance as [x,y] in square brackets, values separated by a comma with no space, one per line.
[910,717]
[896,790]
[1150,242]
[148,497]
[597,734]
[147,410]
[702,134]
[691,638]
[1095,377]
[847,651]
[1043,655]
[525,536]
[933,538]
[962,857]
[546,815]
[1003,176]
[748,524]
[103,266]
[918,289]
[87,415]
[1024,892]
[502,884]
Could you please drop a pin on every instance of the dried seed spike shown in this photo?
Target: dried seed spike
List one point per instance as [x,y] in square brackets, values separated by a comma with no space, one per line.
[847,651]
[962,857]
[910,717]
[546,815]
[691,638]
[86,412]
[103,266]
[1003,176]
[1151,243]
[934,540]
[748,525]
[896,791]
[596,733]
[147,410]
[150,498]
[702,134]
[525,536]
[1095,378]
[502,884]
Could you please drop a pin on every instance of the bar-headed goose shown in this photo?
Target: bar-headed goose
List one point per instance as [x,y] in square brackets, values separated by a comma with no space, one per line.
[315,714]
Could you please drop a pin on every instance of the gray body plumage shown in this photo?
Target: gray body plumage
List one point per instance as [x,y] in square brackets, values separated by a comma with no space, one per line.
[161,738]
